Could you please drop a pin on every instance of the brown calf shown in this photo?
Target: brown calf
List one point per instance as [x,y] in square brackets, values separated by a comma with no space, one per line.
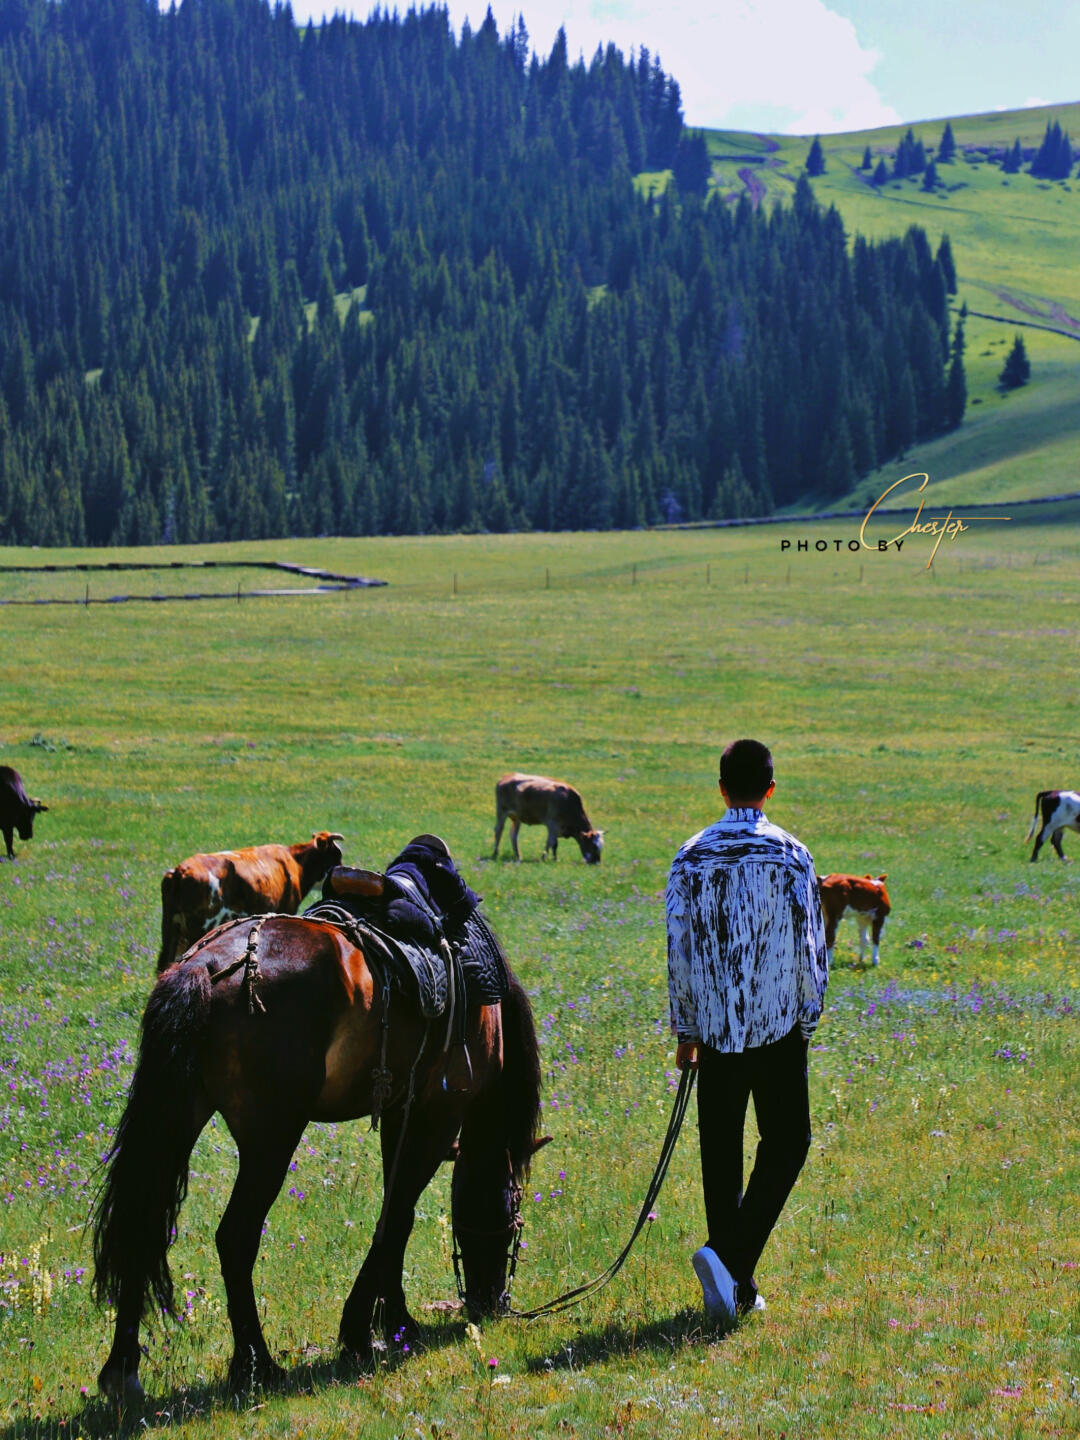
[204,891]
[866,896]
[535,800]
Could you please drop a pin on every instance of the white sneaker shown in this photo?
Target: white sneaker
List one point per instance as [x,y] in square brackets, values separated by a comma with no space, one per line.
[717,1286]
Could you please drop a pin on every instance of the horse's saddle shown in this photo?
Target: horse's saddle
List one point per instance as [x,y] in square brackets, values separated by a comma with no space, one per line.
[422,929]
[422,971]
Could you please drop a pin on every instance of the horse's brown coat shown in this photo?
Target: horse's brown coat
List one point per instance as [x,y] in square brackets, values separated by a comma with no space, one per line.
[296,1038]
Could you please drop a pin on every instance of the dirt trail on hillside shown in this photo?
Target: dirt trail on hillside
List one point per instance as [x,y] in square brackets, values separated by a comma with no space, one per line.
[1055,312]
[754,184]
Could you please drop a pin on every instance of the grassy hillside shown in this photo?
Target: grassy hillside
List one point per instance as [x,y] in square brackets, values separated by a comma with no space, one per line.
[923,1274]
[1016,242]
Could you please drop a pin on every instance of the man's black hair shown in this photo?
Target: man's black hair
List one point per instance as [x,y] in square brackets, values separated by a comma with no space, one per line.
[746,770]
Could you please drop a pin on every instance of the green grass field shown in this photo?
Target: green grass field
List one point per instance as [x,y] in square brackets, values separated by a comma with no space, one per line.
[923,1279]
[1014,240]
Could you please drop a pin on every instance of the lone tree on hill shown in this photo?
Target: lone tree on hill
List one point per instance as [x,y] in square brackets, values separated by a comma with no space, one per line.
[881,174]
[947,148]
[867,160]
[930,176]
[815,160]
[1017,368]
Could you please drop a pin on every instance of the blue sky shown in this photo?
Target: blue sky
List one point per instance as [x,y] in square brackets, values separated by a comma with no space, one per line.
[807,66]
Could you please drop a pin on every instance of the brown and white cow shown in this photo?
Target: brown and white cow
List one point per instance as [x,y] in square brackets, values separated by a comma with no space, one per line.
[1059,810]
[535,800]
[862,894]
[17,810]
[204,891]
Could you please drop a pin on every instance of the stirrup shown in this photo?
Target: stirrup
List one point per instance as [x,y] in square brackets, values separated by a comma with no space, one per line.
[455,1073]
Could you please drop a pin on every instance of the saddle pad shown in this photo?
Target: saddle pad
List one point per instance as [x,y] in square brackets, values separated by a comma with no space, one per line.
[482,962]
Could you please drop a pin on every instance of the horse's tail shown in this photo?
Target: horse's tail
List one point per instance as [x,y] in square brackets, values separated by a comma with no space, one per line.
[170,919]
[135,1210]
[1038,811]
[520,1088]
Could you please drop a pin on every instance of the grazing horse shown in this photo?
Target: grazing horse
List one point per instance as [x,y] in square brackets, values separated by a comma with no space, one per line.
[272,1022]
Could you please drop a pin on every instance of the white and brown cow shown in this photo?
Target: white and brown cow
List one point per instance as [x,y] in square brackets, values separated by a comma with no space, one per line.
[535,800]
[862,894]
[1058,810]
[204,891]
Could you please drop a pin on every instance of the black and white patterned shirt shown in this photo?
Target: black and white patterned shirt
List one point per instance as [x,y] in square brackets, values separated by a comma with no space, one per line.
[746,940]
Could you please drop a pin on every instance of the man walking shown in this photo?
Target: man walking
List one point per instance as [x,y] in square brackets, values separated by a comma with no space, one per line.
[747,970]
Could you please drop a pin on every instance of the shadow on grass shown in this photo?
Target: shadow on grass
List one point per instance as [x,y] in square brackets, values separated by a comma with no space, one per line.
[99,1419]
[622,1338]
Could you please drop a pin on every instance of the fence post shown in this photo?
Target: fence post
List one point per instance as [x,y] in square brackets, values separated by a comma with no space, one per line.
[455,582]
[547,578]
[708,574]
[87,601]
[238,592]
[633,574]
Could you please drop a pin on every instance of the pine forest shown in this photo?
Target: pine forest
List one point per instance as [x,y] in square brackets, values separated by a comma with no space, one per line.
[262,279]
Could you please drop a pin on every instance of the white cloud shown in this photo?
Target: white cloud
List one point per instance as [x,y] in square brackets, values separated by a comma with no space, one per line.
[1033,101]
[797,60]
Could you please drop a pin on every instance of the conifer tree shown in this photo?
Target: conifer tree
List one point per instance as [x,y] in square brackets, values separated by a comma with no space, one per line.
[1013,158]
[867,160]
[910,157]
[1017,368]
[945,260]
[815,160]
[692,166]
[947,148]
[1054,158]
[956,385]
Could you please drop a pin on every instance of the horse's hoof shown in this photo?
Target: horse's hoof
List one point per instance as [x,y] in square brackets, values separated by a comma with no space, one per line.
[122,1386]
[250,1372]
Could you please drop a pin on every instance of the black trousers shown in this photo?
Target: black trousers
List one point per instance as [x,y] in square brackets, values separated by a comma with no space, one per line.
[741,1222]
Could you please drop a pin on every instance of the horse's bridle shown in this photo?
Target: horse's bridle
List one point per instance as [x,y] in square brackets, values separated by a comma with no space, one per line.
[510,1234]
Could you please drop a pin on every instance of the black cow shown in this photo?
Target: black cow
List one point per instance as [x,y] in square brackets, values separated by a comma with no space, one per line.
[17,810]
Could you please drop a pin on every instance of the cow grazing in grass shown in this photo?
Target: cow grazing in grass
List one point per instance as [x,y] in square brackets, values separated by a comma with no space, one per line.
[534,800]
[17,810]
[862,894]
[1058,810]
[204,891]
